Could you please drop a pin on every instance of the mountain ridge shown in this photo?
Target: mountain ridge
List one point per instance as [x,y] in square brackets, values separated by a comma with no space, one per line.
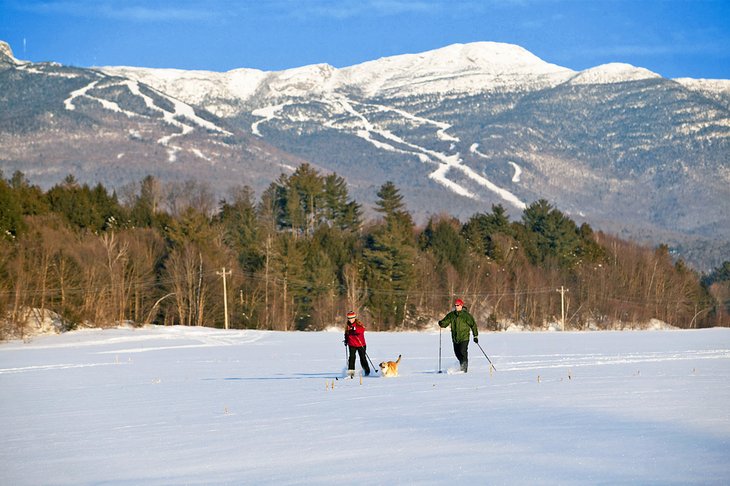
[458,129]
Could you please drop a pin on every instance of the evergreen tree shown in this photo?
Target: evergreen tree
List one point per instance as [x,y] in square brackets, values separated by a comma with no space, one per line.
[480,230]
[320,280]
[306,193]
[30,198]
[74,203]
[11,212]
[551,235]
[389,256]
[191,226]
[442,237]
[397,219]
[290,279]
[338,211]
[719,274]
[241,228]
[275,206]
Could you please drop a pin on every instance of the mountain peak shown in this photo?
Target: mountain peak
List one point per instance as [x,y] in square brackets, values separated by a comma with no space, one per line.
[615,72]
[6,53]
[483,56]
[457,68]
[488,54]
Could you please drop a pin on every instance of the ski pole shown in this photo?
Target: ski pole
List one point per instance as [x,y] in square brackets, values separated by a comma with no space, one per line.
[371,362]
[485,355]
[366,354]
[440,329]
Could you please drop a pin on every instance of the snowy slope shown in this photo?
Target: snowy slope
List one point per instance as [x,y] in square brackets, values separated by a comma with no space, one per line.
[202,406]
[460,68]
[613,73]
[220,93]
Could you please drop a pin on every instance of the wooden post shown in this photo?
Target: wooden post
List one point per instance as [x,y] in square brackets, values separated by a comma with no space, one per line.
[225,294]
[562,291]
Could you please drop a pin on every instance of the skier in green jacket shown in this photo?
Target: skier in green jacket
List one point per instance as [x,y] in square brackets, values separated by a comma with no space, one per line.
[461,322]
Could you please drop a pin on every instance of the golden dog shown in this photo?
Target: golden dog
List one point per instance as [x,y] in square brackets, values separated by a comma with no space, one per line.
[390,368]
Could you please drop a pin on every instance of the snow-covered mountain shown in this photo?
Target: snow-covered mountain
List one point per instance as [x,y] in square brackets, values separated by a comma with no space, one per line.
[457,129]
[462,69]
[57,120]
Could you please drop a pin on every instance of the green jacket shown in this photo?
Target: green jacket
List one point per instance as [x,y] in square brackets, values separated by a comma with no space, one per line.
[460,323]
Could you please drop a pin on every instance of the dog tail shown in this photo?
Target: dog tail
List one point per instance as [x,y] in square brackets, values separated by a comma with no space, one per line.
[398,360]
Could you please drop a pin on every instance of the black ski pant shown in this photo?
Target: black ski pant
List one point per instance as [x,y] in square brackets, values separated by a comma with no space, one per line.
[363,359]
[461,350]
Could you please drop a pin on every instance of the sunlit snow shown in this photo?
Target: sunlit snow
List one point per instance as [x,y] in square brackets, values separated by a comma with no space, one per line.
[180,405]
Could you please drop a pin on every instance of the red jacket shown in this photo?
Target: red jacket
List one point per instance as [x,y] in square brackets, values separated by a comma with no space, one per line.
[355,334]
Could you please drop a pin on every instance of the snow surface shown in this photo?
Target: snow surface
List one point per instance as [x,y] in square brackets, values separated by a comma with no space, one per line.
[459,68]
[615,72]
[179,405]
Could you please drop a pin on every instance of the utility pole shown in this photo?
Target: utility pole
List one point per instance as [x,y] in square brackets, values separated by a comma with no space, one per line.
[225,294]
[562,291]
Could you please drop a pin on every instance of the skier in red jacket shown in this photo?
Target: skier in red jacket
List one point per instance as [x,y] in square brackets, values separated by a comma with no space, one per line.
[355,341]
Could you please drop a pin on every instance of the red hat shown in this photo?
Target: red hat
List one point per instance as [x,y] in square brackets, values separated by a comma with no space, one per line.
[459,302]
[351,315]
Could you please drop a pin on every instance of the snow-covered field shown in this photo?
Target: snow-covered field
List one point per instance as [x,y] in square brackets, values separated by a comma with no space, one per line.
[181,405]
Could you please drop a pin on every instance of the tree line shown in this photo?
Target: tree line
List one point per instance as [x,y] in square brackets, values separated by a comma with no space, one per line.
[301,255]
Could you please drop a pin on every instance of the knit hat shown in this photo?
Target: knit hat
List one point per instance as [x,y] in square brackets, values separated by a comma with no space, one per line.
[351,315]
[459,302]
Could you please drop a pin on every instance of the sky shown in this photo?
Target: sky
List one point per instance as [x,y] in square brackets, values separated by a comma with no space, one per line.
[191,405]
[674,38]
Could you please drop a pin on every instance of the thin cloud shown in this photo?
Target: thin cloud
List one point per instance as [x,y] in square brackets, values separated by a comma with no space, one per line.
[348,9]
[655,50]
[120,10]
[145,14]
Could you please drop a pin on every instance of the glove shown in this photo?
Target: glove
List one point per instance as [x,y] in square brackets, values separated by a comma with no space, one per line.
[476,340]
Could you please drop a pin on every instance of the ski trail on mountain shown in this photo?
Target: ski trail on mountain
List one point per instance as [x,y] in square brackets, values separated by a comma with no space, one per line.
[268,113]
[172,118]
[384,139]
[442,126]
[68,103]
[181,110]
[518,172]
[447,162]
[424,154]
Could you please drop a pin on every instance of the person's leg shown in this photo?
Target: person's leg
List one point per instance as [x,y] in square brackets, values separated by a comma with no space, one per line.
[457,352]
[465,356]
[351,360]
[364,360]
[461,351]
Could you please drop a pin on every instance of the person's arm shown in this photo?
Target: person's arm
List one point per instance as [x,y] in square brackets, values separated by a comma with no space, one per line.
[446,321]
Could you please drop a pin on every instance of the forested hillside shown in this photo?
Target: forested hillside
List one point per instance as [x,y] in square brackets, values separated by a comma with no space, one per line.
[301,255]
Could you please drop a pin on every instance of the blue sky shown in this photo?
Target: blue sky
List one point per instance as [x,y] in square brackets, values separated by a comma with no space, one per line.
[675,38]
